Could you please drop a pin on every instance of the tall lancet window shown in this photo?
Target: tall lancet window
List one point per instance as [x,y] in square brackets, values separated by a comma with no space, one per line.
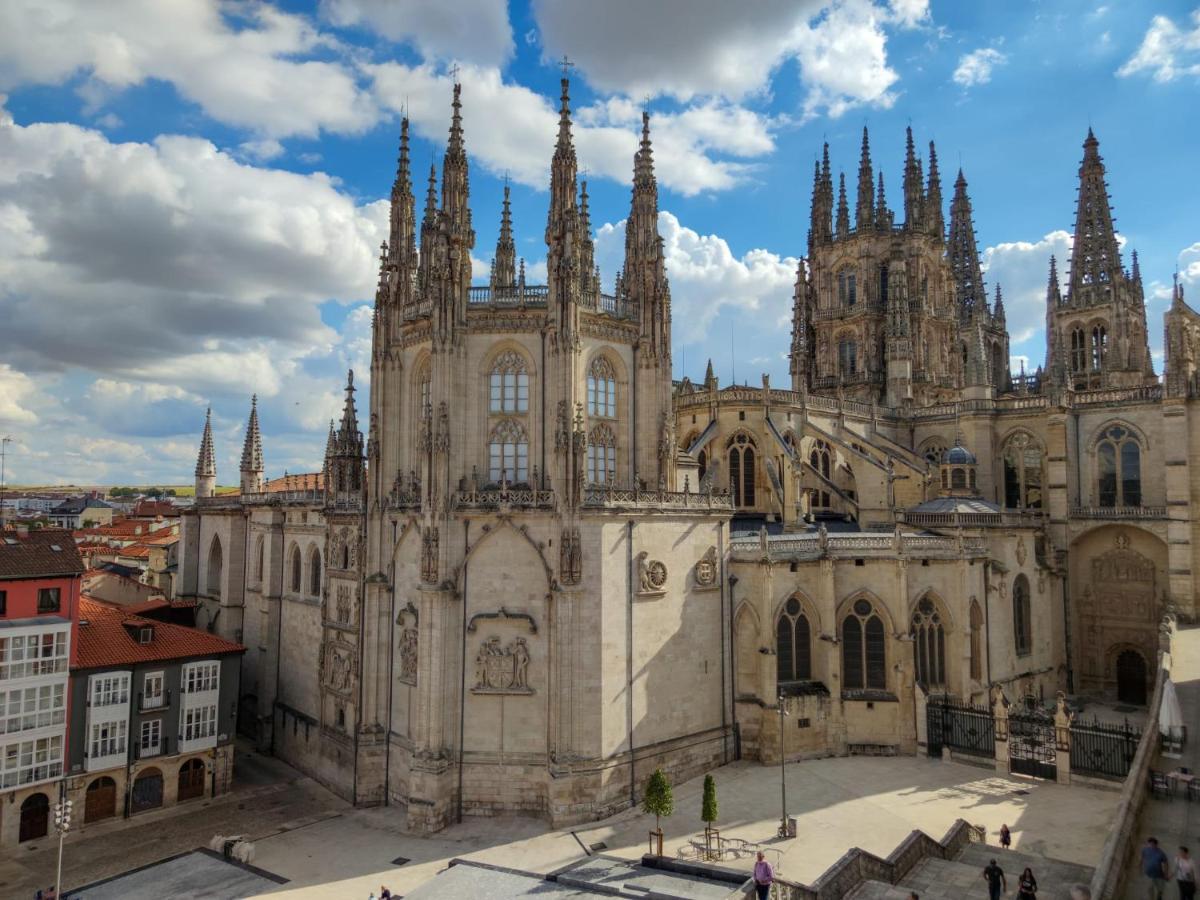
[1078,350]
[509,384]
[602,455]
[929,644]
[508,452]
[1022,472]
[1119,461]
[602,389]
[741,469]
[1099,347]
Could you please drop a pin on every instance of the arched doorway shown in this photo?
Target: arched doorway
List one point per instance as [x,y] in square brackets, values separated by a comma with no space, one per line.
[101,800]
[35,817]
[191,780]
[1131,677]
[147,791]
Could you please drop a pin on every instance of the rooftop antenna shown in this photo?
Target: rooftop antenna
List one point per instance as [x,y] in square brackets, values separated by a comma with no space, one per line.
[4,442]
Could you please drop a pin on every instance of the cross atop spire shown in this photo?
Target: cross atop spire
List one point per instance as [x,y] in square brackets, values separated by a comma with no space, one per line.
[566,65]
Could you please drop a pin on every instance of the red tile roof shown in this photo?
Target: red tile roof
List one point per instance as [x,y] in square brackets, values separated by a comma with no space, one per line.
[135,551]
[152,508]
[305,481]
[33,554]
[108,637]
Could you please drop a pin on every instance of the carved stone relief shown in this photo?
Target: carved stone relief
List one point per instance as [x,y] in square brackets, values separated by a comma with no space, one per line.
[407,648]
[502,669]
[343,610]
[570,557]
[337,664]
[1021,553]
[705,571]
[429,555]
[1123,583]
[652,576]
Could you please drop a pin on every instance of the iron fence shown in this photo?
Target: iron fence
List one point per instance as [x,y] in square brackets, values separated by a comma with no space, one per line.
[960,726]
[1103,749]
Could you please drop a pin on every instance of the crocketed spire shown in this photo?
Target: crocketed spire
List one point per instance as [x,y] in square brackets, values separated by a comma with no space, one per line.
[206,462]
[913,190]
[456,188]
[843,208]
[403,241]
[1095,255]
[564,168]
[883,215]
[504,274]
[252,453]
[645,272]
[864,212]
[963,254]
[933,198]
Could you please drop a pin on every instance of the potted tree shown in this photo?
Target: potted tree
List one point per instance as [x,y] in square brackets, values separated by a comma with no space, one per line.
[658,802]
[708,812]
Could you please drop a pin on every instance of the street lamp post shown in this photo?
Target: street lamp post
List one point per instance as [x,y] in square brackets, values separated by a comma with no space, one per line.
[783,816]
[62,822]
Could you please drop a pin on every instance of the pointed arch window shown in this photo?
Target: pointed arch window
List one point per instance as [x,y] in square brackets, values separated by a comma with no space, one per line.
[508,452]
[424,390]
[847,357]
[847,288]
[976,646]
[1022,457]
[741,469]
[602,455]
[1022,622]
[1099,346]
[818,458]
[314,573]
[929,644]
[1078,350]
[215,566]
[259,553]
[1119,466]
[883,284]
[864,652]
[702,459]
[602,389]
[297,565]
[508,384]
[793,644]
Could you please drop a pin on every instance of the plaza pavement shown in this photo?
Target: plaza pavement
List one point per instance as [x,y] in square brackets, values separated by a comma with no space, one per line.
[867,802]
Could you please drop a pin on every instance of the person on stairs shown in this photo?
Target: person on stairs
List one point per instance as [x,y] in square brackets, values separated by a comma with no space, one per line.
[1185,874]
[1027,885]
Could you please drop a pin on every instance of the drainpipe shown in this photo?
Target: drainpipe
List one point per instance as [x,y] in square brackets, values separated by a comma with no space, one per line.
[726,642]
[387,746]
[279,630]
[462,691]
[987,621]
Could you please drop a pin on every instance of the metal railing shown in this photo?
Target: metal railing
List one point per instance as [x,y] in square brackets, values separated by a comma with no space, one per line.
[1118,512]
[1103,749]
[614,498]
[494,498]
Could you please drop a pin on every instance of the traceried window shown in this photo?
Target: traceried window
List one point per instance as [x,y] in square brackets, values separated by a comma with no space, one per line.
[424,391]
[314,572]
[933,452]
[602,389]
[976,641]
[1099,346]
[1119,466]
[864,654]
[847,358]
[602,455]
[508,452]
[1079,351]
[818,458]
[793,644]
[883,284]
[1022,472]
[929,644]
[1022,624]
[297,565]
[741,469]
[847,289]
[508,384]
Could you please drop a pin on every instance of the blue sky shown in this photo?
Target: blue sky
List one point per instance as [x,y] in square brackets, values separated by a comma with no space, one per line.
[192,192]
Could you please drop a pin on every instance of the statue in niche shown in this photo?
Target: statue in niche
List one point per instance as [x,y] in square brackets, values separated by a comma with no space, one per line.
[429,555]
[500,669]
[338,669]
[408,655]
[343,604]
[570,556]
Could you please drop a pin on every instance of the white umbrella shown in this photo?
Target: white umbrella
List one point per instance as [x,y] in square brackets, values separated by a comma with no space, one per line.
[1170,713]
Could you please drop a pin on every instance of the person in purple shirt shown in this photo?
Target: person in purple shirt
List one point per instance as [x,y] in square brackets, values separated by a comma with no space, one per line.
[764,876]
[1154,867]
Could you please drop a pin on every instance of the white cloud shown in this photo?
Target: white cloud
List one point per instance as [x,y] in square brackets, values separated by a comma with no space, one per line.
[1022,268]
[1167,51]
[976,67]
[685,48]
[248,65]
[16,390]
[705,275]
[476,31]
[261,150]
[510,128]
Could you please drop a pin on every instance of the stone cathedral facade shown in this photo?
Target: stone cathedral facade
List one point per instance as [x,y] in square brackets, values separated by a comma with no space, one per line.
[549,568]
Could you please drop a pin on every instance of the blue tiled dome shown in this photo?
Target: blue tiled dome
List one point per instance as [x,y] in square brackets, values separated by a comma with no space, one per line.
[958,456]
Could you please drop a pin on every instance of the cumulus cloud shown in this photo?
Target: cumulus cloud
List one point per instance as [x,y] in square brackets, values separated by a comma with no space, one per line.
[685,48]
[1189,264]
[475,31]
[976,67]
[1022,268]
[250,65]
[16,391]
[705,275]
[512,129]
[1167,51]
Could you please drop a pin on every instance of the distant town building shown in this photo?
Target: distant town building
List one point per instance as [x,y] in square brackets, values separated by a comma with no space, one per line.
[80,512]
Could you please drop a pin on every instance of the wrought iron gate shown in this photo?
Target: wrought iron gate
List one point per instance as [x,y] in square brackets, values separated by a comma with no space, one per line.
[1031,744]
[959,726]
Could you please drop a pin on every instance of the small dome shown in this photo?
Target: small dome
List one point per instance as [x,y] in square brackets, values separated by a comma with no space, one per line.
[958,456]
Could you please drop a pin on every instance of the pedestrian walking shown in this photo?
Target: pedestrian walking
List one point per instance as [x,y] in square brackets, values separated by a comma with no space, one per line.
[384,893]
[1005,837]
[764,876]
[996,882]
[1027,886]
[1185,874]
[1154,869]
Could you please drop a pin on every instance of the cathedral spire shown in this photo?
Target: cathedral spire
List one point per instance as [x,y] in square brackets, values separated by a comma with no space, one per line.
[645,270]
[843,209]
[504,275]
[998,308]
[1056,367]
[349,423]
[864,212]
[456,187]
[587,249]
[206,461]
[1095,255]
[963,254]
[913,191]
[563,168]
[883,215]
[403,241]
[252,454]
[820,225]
[933,198]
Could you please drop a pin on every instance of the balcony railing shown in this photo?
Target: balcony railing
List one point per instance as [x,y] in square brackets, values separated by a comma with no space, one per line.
[612,498]
[157,701]
[495,498]
[1118,512]
[1008,517]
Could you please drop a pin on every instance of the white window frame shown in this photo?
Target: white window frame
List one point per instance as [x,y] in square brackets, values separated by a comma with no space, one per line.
[157,698]
[109,689]
[199,691]
[150,728]
[34,653]
[31,761]
[108,740]
[33,707]
[201,677]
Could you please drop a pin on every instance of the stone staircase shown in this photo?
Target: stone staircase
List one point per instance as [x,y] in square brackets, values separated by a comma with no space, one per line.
[961,878]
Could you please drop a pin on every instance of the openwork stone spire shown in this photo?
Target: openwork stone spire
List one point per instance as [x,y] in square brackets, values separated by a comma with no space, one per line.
[933,198]
[1095,256]
[645,272]
[403,242]
[843,208]
[883,215]
[864,211]
[913,191]
[455,175]
[206,462]
[963,254]
[564,168]
[504,266]
[252,452]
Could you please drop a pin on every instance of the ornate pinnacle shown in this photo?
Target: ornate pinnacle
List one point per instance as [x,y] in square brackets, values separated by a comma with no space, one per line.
[252,455]
[865,210]
[206,462]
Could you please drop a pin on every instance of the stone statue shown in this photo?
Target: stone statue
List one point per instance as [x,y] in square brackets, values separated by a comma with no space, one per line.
[502,670]
[408,655]
[520,655]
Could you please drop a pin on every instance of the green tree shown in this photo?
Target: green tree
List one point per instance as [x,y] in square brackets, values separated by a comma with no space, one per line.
[657,800]
[708,806]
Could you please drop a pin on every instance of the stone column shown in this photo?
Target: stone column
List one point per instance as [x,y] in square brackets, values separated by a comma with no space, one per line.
[1000,718]
[1062,740]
